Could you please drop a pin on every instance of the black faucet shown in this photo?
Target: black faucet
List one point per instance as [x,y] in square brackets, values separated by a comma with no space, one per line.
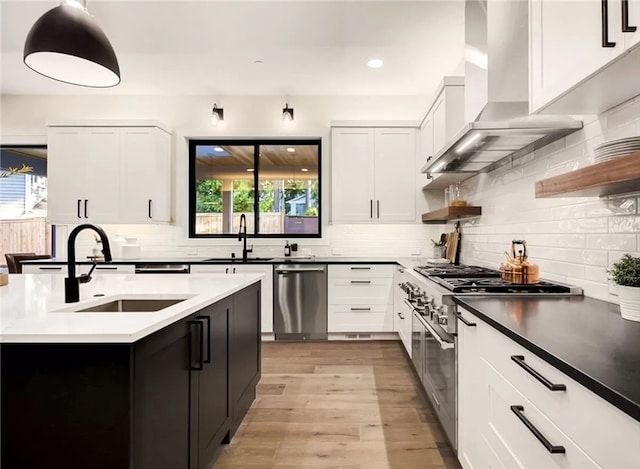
[72,283]
[242,236]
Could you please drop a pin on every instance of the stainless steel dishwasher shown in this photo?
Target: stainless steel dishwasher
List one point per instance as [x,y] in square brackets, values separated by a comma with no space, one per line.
[300,302]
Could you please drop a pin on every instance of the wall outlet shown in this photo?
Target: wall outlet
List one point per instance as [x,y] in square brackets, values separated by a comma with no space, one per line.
[336,251]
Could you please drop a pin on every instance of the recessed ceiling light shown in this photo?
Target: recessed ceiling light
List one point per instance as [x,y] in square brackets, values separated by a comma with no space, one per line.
[218,149]
[304,170]
[258,62]
[375,63]
[291,150]
[250,170]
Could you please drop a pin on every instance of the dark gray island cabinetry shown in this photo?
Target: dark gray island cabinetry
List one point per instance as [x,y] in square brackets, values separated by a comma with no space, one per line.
[168,400]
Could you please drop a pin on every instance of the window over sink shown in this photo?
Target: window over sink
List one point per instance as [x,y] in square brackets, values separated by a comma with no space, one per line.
[274,183]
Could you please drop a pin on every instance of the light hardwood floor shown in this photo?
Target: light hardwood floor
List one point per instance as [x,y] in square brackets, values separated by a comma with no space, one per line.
[349,405]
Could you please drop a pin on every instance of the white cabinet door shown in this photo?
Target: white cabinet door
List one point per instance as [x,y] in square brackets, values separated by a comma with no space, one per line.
[146,176]
[439,124]
[352,180]
[470,383]
[566,44]
[632,39]
[102,153]
[67,173]
[395,191]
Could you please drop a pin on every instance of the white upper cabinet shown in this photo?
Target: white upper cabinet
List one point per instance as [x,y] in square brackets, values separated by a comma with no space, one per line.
[579,57]
[443,120]
[108,174]
[372,174]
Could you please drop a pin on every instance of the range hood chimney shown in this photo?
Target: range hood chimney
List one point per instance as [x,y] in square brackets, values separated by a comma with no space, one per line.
[500,128]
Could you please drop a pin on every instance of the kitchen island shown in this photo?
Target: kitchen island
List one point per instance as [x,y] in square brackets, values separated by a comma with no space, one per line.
[126,389]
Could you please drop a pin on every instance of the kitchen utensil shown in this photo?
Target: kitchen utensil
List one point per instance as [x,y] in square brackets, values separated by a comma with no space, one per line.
[520,270]
[452,246]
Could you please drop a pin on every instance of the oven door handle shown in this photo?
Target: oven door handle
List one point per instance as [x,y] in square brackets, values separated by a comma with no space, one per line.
[444,345]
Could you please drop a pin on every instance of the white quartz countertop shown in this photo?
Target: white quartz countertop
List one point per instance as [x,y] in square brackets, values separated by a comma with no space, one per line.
[30,304]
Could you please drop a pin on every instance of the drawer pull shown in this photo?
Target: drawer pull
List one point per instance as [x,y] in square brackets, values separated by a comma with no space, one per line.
[361,281]
[519,359]
[464,321]
[50,268]
[360,309]
[519,411]
[106,268]
[360,268]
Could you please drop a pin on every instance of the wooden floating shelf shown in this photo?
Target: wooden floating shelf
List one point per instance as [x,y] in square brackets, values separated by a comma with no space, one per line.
[616,176]
[447,214]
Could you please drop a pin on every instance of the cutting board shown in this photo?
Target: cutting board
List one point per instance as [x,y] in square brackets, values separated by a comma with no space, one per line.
[452,246]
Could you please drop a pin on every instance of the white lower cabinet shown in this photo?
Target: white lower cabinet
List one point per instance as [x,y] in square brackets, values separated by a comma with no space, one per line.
[266,301]
[508,418]
[360,298]
[402,312]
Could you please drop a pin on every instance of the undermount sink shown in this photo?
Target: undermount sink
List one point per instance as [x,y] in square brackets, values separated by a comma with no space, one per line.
[125,305]
[238,259]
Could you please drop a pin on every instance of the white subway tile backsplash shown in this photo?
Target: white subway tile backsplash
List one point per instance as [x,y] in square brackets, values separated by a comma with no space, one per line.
[573,239]
[612,242]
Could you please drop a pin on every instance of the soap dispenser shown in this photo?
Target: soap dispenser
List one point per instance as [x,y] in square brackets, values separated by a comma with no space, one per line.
[287,250]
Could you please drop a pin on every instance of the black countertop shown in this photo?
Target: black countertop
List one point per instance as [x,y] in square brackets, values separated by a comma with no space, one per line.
[585,338]
[275,260]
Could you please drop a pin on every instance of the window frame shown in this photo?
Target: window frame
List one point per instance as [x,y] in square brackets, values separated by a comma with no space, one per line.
[256,142]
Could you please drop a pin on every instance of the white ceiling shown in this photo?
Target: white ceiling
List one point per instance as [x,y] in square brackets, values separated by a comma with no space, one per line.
[209,47]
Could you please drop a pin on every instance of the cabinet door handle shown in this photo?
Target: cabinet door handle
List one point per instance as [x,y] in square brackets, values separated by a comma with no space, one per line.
[150,209]
[50,268]
[226,271]
[360,281]
[626,28]
[519,359]
[86,203]
[519,411]
[464,321]
[378,208]
[208,326]
[79,203]
[199,365]
[401,316]
[360,309]
[371,208]
[234,270]
[605,25]
[106,268]
[360,268]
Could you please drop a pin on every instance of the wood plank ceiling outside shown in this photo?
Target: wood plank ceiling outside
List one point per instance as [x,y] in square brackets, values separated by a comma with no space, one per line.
[275,163]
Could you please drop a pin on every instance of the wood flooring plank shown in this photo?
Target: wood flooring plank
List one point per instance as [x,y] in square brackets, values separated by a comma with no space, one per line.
[338,405]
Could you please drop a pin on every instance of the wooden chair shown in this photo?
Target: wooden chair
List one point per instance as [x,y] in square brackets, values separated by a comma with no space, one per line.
[14,260]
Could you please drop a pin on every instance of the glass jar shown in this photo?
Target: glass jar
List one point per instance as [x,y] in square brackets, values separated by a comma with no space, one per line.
[457,196]
[446,196]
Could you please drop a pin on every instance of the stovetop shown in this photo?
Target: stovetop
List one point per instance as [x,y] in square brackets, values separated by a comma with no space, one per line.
[471,279]
[456,270]
[496,285]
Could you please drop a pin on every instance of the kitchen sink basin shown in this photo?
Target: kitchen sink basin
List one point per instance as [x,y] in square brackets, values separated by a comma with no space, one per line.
[125,305]
[238,259]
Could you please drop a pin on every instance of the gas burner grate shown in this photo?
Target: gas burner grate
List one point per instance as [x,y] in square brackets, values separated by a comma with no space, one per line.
[456,271]
[496,285]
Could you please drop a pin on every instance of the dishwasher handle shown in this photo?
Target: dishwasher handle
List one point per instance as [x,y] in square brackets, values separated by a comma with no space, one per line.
[299,271]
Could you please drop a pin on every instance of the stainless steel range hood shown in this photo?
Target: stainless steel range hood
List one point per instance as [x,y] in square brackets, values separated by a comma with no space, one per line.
[496,94]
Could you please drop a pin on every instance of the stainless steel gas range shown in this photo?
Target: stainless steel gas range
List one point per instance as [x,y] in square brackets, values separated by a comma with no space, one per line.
[430,294]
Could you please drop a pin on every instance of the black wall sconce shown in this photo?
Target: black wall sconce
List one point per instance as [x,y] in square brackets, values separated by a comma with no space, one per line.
[217,114]
[287,114]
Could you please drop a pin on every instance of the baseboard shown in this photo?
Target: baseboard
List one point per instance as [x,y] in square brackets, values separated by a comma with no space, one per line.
[363,336]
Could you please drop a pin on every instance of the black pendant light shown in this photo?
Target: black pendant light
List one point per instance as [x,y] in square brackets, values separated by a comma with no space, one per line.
[67,45]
